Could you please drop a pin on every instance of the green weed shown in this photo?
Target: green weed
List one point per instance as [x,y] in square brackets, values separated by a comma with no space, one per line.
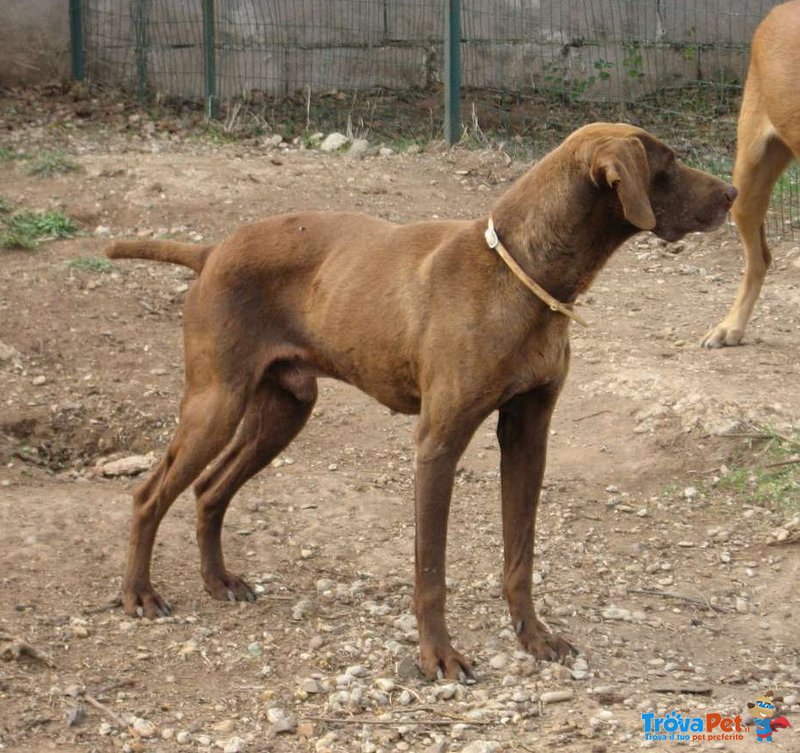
[774,476]
[27,229]
[47,164]
[96,264]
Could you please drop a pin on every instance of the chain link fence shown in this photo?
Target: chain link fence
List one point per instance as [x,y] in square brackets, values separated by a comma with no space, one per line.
[531,70]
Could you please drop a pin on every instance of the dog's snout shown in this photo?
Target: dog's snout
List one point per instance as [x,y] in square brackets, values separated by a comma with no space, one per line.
[731,193]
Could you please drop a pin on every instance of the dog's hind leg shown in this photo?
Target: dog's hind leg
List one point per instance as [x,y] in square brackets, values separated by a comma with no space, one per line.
[208,420]
[273,418]
[761,157]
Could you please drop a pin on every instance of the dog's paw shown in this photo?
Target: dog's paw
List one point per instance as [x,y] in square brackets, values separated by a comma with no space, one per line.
[538,641]
[227,587]
[722,335]
[144,601]
[444,662]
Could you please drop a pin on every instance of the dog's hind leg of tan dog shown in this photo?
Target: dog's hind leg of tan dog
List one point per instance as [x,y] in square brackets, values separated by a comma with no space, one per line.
[768,136]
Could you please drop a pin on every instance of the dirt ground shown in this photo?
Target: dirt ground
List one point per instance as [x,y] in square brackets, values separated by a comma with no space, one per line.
[679,588]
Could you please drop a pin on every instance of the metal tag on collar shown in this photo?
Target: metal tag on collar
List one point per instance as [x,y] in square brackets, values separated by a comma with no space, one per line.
[491,235]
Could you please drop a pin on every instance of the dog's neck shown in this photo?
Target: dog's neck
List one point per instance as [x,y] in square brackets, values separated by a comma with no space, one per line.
[551,221]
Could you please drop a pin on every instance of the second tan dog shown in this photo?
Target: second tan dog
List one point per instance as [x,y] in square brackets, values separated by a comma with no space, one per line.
[767,139]
[428,320]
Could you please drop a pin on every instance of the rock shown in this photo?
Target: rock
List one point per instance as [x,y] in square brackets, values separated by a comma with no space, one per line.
[741,605]
[275,140]
[499,661]
[407,669]
[446,692]
[311,685]
[7,353]
[616,613]
[182,737]
[167,733]
[385,151]
[204,740]
[302,609]
[234,745]
[406,622]
[285,726]
[102,231]
[358,148]
[38,381]
[225,726]
[333,142]
[143,728]
[386,684]
[129,466]
[556,696]
[482,746]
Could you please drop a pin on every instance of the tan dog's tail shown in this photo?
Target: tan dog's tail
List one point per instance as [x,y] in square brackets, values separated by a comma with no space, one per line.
[188,254]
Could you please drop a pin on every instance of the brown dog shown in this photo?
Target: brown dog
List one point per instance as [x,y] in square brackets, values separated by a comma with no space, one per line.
[425,318]
[768,136]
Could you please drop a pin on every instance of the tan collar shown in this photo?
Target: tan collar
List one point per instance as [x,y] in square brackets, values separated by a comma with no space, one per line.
[494,243]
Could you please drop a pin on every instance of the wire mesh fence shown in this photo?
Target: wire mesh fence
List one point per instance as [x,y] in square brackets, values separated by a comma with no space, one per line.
[531,70]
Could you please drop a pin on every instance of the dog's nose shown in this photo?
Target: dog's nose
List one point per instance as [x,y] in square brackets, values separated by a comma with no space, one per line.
[731,193]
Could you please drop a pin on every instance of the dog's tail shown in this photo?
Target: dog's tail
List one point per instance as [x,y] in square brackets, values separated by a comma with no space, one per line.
[188,254]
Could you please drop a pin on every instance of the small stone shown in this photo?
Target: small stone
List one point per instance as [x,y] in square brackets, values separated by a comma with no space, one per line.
[499,661]
[182,737]
[385,151]
[167,733]
[616,613]
[102,231]
[482,746]
[556,696]
[38,381]
[312,685]
[204,740]
[446,692]
[104,728]
[358,148]
[333,142]
[143,728]
[234,745]
[302,609]
[129,466]
[386,684]
[741,605]
[285,726]
[225,726]
[690,492]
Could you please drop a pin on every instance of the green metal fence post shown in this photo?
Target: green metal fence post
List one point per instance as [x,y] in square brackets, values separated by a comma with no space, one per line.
[452,72]
[209,56]
[78,49]
[141,19]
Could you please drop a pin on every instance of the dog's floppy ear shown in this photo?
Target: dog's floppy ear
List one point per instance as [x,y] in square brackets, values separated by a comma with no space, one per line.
[622,165]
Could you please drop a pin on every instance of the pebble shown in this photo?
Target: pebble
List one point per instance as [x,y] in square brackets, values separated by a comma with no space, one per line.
[225,726]
[386,684]
[302,609]
[143,728]
[182,737]
[742,606]
[39,380]
[128,466]
[234,745]
[203,740]
[556,696]
[616,613]
[499,661]
[482,746]
[333,142]
[312,685]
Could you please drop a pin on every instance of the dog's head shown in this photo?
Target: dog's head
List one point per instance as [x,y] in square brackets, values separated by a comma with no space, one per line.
[764,707]
[654,189]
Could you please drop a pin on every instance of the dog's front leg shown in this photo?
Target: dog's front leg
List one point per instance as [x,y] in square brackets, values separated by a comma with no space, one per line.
[438,448]
[522,431]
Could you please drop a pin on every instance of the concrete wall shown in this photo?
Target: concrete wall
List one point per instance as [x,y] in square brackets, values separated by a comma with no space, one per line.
[34,41]
[282,46]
